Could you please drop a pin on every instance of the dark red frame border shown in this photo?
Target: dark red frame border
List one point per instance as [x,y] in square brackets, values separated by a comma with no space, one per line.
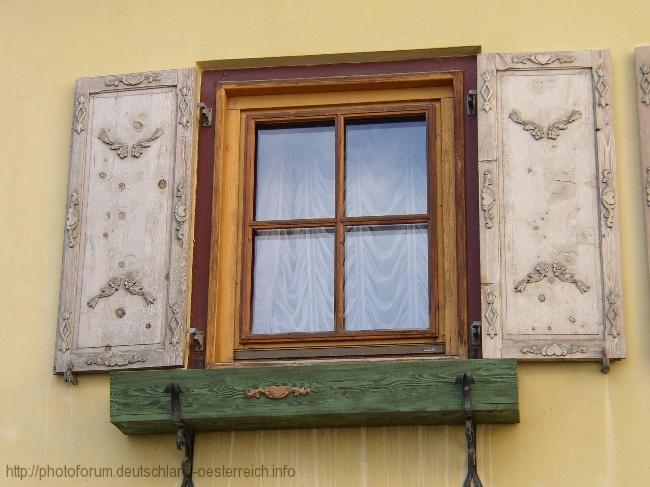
[205,169]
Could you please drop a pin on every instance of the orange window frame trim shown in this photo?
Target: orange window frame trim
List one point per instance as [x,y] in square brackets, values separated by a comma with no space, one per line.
[340,115]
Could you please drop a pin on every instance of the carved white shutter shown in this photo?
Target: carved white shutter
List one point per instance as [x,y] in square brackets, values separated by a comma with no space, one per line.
[642,55]
[550,251]
[124,285]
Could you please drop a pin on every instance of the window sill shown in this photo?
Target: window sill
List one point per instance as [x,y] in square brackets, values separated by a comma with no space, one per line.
[365,393]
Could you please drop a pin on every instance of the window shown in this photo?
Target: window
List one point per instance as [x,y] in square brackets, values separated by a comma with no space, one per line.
[338,219]
[337,223]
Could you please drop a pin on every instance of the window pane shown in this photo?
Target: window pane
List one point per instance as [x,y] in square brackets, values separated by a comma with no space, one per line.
[293,281]
[386,277]
[295,172]
[386,167]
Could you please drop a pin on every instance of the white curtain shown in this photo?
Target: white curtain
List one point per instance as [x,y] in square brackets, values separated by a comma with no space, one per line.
[386,267]
[386,278]
[295,173]
[293,281]
[386,168]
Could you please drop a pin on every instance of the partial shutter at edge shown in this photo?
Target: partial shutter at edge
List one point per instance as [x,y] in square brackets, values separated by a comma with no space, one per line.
[550,245]
[642,57]
[124,297]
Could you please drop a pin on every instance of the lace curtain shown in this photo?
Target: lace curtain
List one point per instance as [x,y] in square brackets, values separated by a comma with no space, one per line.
[386,266]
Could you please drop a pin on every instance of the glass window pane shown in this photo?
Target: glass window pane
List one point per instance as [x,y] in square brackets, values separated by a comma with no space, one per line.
[293,281]
[386,277]
[386,167]
[295,171]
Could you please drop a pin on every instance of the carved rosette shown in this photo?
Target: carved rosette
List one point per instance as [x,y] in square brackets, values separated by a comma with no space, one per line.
[612,315]
[133,79]
[602,86]
[608,198]
[72,221]
[116,359]
[80,114]
[277,392]
[644,84]
[65,332]
[486,91]
[491,314]
[130,284]
[180,211]
[553,349]
[543,59]
[556,270]
[488,200]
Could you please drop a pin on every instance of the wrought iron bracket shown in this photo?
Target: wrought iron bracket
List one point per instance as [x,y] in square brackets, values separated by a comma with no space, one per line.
[184,434]
[465,379]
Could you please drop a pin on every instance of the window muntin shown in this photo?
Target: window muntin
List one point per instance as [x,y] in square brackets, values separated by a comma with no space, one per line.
[382,245]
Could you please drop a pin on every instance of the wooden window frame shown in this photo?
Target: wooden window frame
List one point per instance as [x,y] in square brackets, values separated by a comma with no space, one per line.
[339,115]
[216,85]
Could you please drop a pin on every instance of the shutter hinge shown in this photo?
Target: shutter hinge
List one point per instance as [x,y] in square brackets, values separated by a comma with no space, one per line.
[470,103]
[197,338]
[69,376]
[476,339]
[605,368]
[205,114]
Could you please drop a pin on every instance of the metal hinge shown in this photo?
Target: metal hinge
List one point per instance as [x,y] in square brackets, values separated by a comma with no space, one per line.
[477,327]
[205,115]
[470,103]
[476,339]
[197,337]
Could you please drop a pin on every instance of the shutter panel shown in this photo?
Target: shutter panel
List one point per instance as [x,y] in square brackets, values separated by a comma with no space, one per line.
[550,251]
[642,55]
[124,285]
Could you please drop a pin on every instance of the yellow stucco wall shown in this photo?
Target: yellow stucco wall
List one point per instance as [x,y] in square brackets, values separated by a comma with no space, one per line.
[577,428]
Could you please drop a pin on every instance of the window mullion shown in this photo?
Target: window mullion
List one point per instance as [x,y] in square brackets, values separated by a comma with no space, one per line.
[339,277]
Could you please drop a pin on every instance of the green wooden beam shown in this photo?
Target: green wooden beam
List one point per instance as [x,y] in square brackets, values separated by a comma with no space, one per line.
[341,394]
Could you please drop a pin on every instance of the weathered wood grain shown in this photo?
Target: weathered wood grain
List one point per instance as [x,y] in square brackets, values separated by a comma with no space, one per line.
[642,56]
[128,223]
[343,394]
[550,252]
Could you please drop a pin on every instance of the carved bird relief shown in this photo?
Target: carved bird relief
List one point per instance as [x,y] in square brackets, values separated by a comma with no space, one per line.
[108,290]
[129,282]
[543,270]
